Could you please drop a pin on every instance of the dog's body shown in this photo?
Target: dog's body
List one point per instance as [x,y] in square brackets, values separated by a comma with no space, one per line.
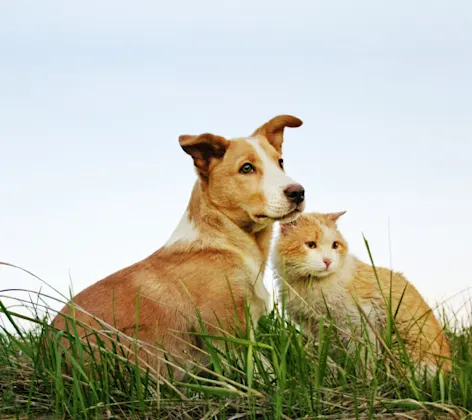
[214,261]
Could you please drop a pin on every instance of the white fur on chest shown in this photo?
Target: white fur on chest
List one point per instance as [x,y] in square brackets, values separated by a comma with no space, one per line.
[326,297]
[260,299]
[330,298]
[320,301]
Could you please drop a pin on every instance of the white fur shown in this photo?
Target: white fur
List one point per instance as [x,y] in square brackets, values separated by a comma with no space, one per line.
[261,293]
[186,231]
[322,294]
[315,257]
[274,182]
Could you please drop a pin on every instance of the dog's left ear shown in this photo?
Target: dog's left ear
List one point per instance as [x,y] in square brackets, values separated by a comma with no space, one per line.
[203,149]
[273,130]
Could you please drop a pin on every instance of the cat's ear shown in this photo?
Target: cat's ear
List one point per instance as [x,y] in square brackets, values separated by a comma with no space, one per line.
[333,217]
[286,227]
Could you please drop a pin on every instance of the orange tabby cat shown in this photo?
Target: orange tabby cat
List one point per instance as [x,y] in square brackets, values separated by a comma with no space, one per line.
[312,257]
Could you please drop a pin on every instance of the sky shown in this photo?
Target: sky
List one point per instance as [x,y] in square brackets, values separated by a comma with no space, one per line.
[93,97]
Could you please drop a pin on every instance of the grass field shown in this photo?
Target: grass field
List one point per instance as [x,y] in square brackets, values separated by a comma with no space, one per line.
[281,374]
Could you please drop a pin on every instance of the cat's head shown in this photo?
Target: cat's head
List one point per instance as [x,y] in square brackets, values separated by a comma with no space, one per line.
[312,245]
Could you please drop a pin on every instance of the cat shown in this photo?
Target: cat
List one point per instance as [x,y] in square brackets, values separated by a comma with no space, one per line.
[322,278]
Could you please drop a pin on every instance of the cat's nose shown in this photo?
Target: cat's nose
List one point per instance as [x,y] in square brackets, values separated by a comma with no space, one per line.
[327,262]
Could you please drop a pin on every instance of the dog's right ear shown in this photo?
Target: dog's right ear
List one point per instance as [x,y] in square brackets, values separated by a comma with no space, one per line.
[203,149]
[273,130]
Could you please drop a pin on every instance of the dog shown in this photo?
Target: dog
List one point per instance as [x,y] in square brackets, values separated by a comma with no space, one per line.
[213,264]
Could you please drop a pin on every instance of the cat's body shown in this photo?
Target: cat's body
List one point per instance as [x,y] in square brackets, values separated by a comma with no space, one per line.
[320,276]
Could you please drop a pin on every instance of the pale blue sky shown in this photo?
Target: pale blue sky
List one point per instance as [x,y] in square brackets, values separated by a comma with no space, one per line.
[93,98]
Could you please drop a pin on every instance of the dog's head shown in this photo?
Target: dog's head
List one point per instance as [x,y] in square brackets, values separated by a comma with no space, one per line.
[244,177]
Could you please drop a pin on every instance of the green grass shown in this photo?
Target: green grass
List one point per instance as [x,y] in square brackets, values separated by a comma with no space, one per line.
[281,374]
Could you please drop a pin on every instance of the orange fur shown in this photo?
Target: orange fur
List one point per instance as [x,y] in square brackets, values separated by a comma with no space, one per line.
[313,288]
[214,261]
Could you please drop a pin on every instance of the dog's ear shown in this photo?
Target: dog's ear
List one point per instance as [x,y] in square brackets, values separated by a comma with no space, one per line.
[203,149]
[273,130]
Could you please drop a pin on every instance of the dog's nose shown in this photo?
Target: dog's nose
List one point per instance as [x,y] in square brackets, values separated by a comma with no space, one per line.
[295,193]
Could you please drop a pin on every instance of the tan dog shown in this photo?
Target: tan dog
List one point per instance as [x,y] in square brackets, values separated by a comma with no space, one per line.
[215,259]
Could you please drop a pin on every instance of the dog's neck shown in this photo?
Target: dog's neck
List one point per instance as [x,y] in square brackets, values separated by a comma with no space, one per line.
[204,223]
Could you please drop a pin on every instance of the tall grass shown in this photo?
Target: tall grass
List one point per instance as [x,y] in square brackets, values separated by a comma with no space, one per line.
[280,373]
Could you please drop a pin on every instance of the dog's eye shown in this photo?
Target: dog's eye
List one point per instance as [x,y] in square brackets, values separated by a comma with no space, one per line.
[247,168]
[311,245]
[335,245]
[281,163]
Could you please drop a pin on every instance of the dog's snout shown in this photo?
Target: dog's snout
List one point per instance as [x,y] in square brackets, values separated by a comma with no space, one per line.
[295,193]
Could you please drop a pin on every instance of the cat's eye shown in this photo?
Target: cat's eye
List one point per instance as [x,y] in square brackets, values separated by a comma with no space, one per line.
[311,245]
[247,168]
[281,163]
[335,245]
